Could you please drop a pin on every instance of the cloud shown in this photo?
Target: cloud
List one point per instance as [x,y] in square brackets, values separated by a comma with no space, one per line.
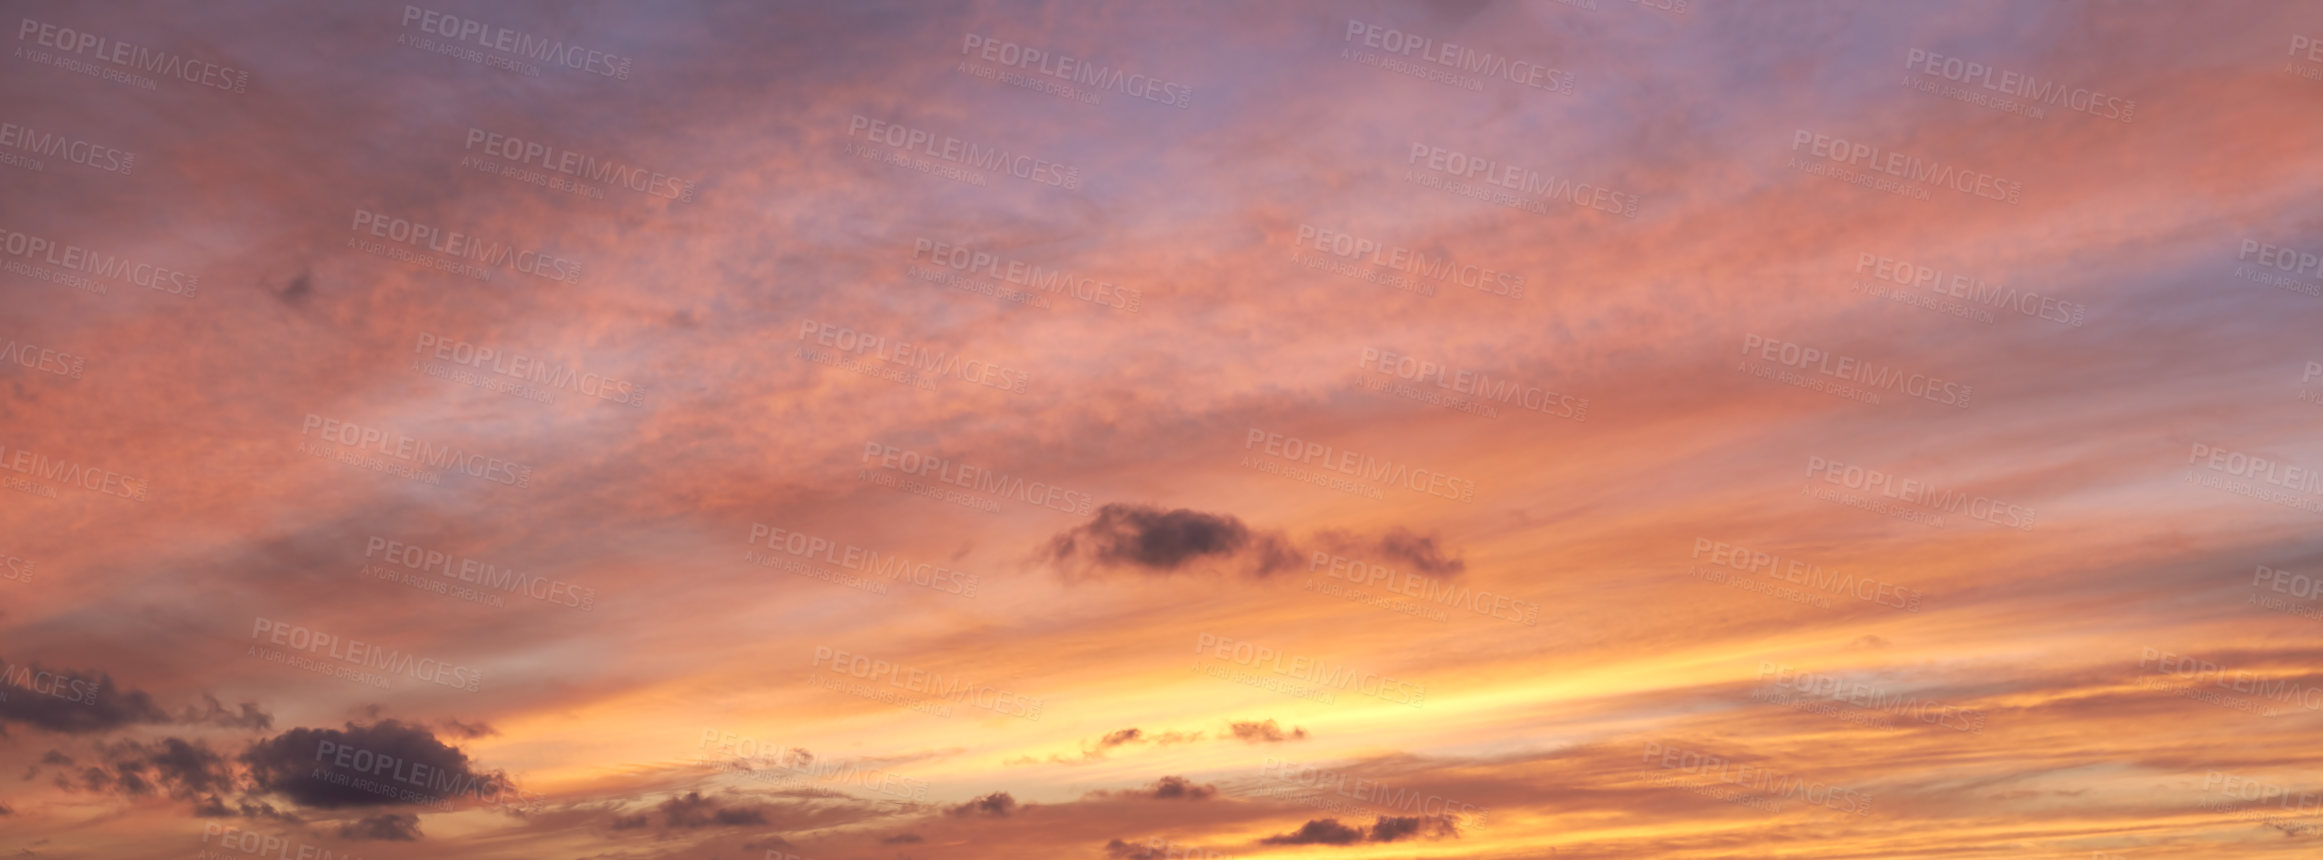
[301,765]
[87,702]
[1322,831]
[216,808]
[997,805]
[1328,831]
[1267,732]
[71,702]
[1119,850]
[1399,546]
[1165,788]
[471,731]
[1178,787]
[902,839]
[692,811]
[1388,829]
[1096,750]
[389,827]
[173,767]
[211,712]
[1153,541]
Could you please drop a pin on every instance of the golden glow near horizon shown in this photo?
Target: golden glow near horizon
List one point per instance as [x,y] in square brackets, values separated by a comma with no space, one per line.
[1595,429]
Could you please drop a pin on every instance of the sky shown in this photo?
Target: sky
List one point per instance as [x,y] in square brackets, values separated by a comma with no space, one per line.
[1584,429]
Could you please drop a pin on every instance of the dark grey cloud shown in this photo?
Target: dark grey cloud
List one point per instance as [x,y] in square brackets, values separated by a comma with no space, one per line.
[1328,831]
[211,712]
[1141,539]
[1165,788]
[408,762]
[71,702]
[1399,548]
[1390,829]
[1155,541]
[81,701]
[996,805]
[1321,831]
[1181,788]
[172,767]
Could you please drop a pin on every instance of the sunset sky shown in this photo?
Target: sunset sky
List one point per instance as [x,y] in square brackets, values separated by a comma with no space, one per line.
[1585,429]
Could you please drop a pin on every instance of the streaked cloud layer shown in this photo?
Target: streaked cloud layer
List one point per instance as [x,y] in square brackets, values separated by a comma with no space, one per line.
[1595,429]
